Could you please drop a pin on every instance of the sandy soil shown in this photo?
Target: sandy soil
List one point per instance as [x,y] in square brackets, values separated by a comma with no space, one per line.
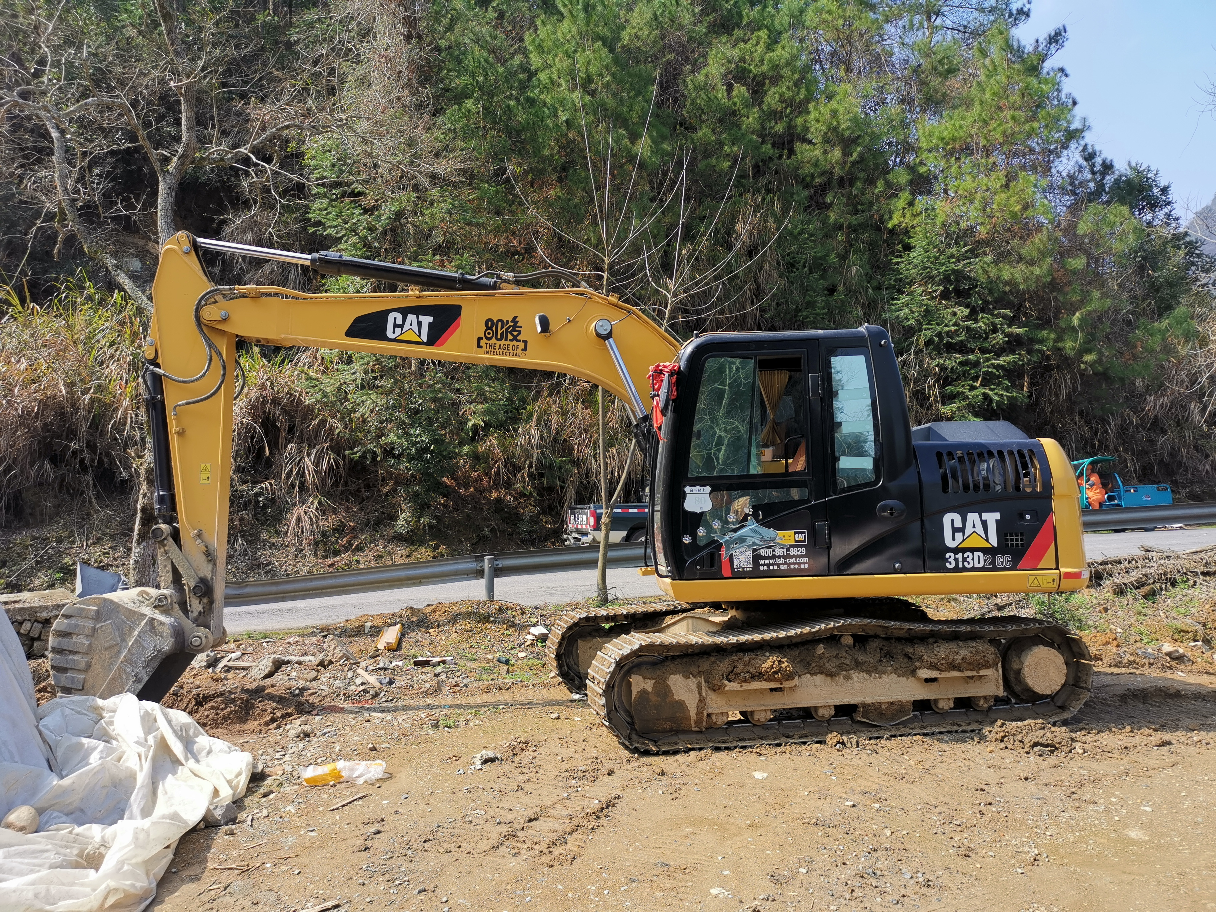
[1100,814]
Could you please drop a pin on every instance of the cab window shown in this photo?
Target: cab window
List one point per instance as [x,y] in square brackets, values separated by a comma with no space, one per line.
[721,429]
[750,417]
[854,420]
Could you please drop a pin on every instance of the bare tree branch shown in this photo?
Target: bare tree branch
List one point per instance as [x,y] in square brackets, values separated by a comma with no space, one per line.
[138,86]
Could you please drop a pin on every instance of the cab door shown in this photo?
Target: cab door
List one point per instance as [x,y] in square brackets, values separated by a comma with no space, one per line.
[874,504]
[751,491]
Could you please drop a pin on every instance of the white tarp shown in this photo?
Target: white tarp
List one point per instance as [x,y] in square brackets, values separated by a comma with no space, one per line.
[116,782]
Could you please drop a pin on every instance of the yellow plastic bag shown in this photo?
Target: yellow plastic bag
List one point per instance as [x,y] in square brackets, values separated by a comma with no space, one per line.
[321,775]
[360,771]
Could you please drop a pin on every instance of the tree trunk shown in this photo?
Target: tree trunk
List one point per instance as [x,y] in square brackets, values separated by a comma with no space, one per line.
[170,178]
[59,153]
[601,570]
[166,200]
[142,571]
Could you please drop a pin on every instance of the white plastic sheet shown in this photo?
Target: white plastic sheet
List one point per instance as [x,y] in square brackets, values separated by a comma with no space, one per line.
[116,782]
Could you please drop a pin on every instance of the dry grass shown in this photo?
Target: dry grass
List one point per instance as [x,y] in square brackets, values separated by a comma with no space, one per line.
[286,452]
[68,381]
[559,443]
[73,440]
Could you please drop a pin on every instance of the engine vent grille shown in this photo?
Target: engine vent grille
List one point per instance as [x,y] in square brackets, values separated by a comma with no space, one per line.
[983,471]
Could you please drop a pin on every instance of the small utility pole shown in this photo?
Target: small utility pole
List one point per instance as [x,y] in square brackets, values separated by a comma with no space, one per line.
[488,564]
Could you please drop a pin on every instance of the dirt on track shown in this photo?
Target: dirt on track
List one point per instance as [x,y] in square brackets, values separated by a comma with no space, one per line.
[1099,814]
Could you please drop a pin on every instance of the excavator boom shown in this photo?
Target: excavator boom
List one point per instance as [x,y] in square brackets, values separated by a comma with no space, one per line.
[191,381]
[472,326]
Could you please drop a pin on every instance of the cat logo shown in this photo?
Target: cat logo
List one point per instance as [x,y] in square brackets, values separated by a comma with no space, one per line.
[430,325]
[977,531]
[408,328]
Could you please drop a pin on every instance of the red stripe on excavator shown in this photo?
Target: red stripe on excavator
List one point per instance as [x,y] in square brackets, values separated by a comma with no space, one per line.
[447,335]
[1038,548]
[725,562]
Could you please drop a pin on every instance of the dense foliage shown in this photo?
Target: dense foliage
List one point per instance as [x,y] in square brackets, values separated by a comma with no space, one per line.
[757,165]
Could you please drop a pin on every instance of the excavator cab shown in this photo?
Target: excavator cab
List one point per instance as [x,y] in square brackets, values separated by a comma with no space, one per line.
[790,455]
[771,438]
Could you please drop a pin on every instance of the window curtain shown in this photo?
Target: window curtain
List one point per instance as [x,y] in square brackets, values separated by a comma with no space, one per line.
[772,385]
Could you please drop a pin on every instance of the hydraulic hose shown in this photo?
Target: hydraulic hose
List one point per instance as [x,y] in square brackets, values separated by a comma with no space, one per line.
[210,347]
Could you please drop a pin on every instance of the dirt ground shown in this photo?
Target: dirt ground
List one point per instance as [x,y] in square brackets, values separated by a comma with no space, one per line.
[1102,813]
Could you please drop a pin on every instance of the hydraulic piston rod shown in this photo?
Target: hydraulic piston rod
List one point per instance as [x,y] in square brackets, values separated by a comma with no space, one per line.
[332,263]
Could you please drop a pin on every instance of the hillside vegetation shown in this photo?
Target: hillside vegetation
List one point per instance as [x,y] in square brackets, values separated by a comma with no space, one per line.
[809,164]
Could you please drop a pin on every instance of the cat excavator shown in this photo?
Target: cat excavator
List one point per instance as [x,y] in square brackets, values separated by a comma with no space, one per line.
[794,510]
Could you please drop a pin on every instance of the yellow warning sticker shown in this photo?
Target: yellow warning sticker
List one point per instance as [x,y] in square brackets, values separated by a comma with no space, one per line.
[1041,582]
[204,473]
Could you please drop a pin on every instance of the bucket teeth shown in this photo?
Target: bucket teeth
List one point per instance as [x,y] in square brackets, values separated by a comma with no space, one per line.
[72,625]
[73,662]
[67,684]
[109,644]
[79,609]
[61,643]
[69,651]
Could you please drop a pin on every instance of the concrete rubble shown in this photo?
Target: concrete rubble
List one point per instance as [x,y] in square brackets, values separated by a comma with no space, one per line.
[484,757]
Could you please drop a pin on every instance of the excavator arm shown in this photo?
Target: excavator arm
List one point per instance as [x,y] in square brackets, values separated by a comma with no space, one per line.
[191,381]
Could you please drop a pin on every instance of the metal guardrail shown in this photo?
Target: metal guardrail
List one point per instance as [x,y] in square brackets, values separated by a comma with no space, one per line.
[514,563]
[421,573]
[1147,517]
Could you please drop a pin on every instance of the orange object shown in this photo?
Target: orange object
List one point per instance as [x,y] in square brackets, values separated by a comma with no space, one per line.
[322,775]
[390,638]
[662,391]
[798,463]
[1094,492]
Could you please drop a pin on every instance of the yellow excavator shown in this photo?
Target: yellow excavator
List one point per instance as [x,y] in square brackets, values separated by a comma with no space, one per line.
[793,510]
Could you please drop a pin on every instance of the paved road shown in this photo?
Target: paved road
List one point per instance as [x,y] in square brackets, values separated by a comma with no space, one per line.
[1116,544]
[568,585]
[533,589]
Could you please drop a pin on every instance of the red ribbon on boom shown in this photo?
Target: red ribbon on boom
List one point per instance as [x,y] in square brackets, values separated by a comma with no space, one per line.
[662,392]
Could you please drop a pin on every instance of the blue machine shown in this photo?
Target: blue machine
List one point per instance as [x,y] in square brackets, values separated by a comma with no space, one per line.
[1117,493]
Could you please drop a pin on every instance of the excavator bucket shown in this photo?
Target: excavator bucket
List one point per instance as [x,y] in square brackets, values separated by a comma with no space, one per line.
[110,644]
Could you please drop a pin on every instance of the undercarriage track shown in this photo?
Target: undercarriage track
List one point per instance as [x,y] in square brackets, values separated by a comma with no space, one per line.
[583,632]
[616,661]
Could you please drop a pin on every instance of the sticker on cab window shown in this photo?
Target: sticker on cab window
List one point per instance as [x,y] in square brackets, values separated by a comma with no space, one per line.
[696,499]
